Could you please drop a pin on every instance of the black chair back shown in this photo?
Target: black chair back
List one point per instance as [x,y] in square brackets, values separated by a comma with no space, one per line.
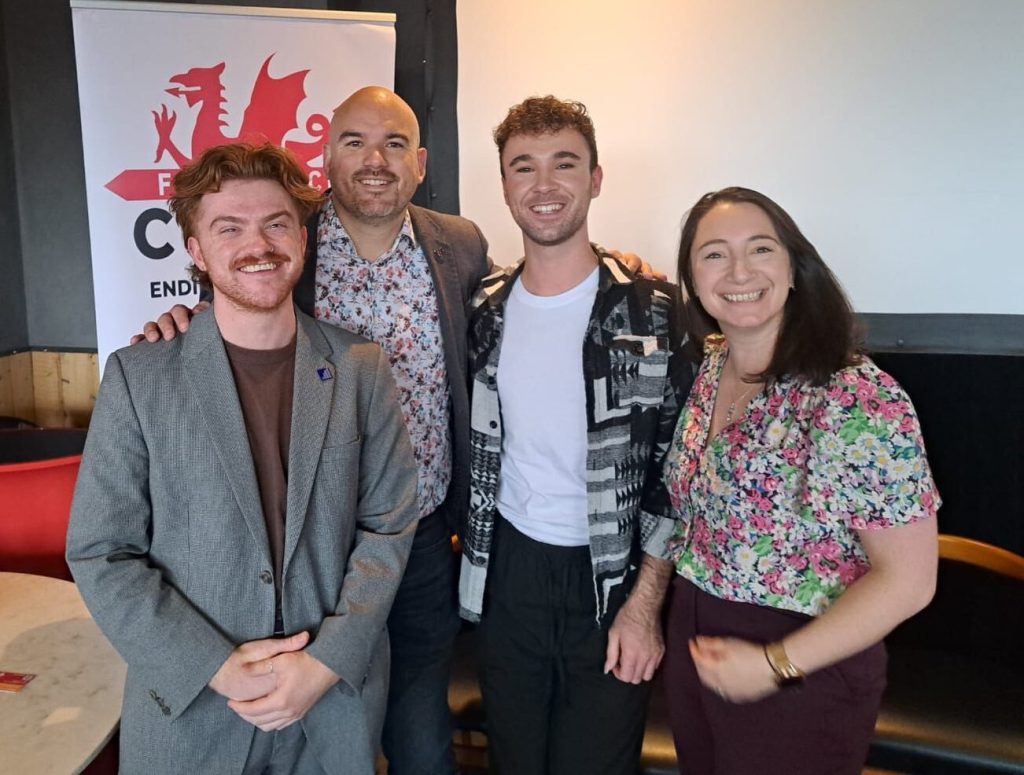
[28,445]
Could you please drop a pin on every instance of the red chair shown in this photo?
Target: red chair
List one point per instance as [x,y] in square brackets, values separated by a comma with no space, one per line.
[35,504]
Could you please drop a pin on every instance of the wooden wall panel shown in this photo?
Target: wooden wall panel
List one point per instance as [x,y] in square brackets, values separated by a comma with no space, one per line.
[79,377]
[6,398]
[16,396]
[22,386]
[46,386]
[49,388]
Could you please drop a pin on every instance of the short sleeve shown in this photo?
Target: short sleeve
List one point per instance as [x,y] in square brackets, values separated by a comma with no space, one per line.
[867,463]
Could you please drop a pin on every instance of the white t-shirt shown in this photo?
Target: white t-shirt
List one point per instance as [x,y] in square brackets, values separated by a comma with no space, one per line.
[542,490]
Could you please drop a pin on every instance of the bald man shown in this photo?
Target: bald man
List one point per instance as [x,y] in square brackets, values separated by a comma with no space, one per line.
[401,276]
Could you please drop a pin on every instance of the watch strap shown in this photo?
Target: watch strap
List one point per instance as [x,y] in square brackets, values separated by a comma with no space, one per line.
[786,673]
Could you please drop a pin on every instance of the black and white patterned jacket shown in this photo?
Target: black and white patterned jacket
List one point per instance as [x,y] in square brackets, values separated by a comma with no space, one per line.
[636,379]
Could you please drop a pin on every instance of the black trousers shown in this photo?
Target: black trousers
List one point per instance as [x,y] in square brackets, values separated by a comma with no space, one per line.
[417,736]
[550,708]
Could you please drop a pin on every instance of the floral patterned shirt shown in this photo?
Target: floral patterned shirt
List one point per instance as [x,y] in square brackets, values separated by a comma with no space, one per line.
[770,506]
[392,301]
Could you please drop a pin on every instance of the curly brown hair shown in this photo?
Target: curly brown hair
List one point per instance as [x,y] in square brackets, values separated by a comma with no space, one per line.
[546,115]
[237,161]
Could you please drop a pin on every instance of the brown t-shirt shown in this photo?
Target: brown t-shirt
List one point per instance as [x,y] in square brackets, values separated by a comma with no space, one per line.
[264,380]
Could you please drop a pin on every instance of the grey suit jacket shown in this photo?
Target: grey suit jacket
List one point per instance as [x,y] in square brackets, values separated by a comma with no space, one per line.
[168,543]
[457,254]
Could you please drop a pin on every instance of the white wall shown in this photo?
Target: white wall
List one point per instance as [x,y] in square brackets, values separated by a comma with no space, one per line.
[892,130]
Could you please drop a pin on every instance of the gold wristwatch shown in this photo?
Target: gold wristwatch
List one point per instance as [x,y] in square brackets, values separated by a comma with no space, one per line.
[786,673]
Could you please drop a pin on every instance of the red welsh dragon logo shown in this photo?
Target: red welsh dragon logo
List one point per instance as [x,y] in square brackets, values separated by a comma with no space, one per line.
[272,113]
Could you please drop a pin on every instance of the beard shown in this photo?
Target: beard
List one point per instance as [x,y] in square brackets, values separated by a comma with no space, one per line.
[368,206]
[257,296]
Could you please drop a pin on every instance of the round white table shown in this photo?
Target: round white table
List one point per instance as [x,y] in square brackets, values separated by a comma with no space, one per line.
[63,718]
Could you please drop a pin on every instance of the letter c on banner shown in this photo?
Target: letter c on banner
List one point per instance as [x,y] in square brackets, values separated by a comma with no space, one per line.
[142,243]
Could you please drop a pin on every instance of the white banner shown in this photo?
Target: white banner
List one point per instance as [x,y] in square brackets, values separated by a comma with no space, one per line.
[159,83]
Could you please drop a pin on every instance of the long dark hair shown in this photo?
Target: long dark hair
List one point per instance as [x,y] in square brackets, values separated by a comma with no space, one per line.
[819,334]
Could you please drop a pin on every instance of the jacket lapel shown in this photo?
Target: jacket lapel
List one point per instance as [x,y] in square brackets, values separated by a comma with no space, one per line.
[209,376]
[315,380]
[445,272]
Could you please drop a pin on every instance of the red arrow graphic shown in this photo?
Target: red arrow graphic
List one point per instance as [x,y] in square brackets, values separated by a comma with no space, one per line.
[143,185]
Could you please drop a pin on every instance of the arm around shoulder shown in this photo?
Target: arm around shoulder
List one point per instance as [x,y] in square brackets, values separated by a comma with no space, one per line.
[173,322]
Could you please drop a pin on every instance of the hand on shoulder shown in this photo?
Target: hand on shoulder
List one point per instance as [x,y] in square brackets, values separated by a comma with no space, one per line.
[176,320]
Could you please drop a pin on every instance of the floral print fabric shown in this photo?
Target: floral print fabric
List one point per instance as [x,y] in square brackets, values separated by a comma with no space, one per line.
[392,301]
[769,507]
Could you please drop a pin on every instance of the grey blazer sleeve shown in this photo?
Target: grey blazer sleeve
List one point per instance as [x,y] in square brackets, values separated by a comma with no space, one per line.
[150,623]
[385,525]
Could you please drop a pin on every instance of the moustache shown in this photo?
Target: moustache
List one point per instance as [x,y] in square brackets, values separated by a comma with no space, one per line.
[262,258]
[366,172]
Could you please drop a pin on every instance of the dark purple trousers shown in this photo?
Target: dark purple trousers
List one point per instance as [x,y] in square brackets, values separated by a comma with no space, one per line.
[822,727]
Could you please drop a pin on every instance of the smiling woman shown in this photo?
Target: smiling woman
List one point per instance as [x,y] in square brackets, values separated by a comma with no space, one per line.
[814,333]
[742,272]
[806,506]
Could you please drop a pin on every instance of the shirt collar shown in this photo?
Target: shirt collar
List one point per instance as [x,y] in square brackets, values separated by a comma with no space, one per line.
[495,287]
[330,215]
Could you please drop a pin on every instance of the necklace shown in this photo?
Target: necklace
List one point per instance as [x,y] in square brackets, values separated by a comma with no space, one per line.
[731,412]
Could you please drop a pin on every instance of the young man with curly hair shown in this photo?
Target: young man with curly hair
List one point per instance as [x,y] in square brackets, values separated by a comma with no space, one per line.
[577,380]
[247,503]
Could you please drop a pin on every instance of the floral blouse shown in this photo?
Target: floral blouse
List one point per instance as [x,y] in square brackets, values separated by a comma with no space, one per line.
[770,506]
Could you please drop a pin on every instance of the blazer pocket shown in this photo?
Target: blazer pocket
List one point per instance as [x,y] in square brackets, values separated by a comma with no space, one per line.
[341,451]
[336,489]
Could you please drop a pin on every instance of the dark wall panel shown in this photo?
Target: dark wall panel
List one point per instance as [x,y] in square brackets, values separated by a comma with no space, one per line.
[13,323]
[426,76]
[972,417]
[47,295]
[47,149]
[977,334]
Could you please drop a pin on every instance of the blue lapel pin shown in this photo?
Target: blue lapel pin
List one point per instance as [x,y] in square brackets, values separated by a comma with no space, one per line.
[324,373]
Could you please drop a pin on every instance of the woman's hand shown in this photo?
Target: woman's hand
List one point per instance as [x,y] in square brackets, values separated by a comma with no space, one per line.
[901,582]
[736,670]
